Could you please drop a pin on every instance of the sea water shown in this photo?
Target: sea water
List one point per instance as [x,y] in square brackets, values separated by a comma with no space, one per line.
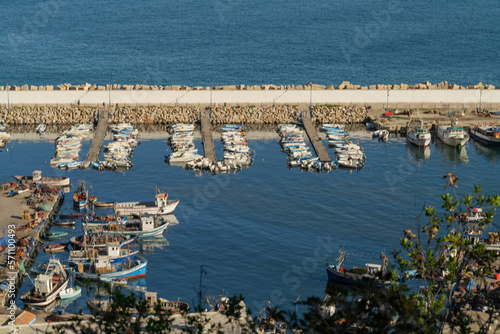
[267,231]
[196,43]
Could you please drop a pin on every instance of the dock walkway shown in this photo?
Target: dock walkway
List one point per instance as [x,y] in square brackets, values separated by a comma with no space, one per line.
[314,138]
[100,133]
[206,135]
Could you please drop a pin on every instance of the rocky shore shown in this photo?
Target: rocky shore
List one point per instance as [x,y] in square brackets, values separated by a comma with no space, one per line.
[168,115]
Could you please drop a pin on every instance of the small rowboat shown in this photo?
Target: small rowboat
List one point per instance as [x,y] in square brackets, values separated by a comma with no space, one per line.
[70,293]
[55,235]
[55,248]
[70,215]
[67,223]
[101,205]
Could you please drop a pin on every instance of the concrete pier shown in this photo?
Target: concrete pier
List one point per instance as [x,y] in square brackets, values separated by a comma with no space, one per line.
[206,135]
[100,133]
[314,138]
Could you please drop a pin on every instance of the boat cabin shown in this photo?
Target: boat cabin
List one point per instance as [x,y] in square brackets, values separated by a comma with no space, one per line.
[161,199]
[37,175]
[147,223]
[373,269]
[43,284]
[113,251]
[150,297]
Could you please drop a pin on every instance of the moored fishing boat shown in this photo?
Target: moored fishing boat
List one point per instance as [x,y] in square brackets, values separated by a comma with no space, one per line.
[53,181]
[67,223]
[452,134]
[102,269]
[486,134]
[55,235]
[161,206]
[47,286]
[368,276]
[97,240]
[147,226]
[102,205]
[81,196]
[55,248]
[115,254]
[417,134]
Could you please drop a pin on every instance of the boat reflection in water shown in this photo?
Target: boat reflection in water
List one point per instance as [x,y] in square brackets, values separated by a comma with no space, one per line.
[153,243]
[418,153]
[454,154]
[491,153]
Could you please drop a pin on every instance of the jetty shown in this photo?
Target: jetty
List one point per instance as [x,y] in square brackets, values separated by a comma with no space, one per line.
[100,133]
[206,135]
[314,138]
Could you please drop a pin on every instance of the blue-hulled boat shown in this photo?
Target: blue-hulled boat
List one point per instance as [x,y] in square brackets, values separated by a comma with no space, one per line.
[102,269]
[147,226]
[368,276]
[486,134]
[115,254]
[81,196]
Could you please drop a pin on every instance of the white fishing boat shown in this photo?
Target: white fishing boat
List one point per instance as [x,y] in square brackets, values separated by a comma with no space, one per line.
[381,134]
[53,181]
[47,286]
[452,134]
[417,134]
[161,206]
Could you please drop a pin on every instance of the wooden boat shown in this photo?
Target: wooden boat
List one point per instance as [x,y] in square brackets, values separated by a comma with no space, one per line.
[53,181]
[417,134]
[162,206]
[47,286]
[367,276]
[102,269]
[71,293]
[173,307]
[486,134]
[452,135]
[97,240]
[81,196]
[146,227]
[55,248]
[116,255]
[75,215]
[64,223]
[55,235]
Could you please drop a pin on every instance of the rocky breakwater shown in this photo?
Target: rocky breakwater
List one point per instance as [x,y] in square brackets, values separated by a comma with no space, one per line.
[169,115]
[47,115]
[338,114]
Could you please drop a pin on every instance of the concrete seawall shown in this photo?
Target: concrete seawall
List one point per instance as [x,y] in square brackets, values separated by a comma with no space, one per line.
[448,99]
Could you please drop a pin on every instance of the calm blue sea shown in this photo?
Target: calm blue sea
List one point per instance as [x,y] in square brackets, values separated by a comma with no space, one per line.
[267,231]
[249,42]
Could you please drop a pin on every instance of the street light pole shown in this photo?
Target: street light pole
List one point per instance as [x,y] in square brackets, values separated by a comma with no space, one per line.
[387,105]
[480,98]
[8,101]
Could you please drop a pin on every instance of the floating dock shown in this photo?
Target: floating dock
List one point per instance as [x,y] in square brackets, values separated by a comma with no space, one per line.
[206,135]
[100,133]
[315,139]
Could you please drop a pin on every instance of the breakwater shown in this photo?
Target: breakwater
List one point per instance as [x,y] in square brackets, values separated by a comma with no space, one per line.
[168,115]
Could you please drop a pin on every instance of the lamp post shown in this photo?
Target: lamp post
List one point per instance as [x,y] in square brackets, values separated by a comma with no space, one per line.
[310,95]
[8,101]
[387,105]
[480,98]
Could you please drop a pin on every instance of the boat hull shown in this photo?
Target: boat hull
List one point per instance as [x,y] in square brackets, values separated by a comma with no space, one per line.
[55,181]
[420,142]
[41,302]
[487,140]
[139,270]
[353,279]
[451,139]
[136,208]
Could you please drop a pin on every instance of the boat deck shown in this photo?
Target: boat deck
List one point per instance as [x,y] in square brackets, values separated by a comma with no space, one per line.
[315,139]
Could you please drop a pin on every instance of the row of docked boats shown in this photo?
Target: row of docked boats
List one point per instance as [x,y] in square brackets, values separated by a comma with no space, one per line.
[348,154]
[68,145]
[118,153]
[5,137]
[452,134]
[293,144]
[237,154]
[181,142]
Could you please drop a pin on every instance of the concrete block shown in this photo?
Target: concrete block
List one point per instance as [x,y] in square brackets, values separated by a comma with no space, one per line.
[49,88]
[61,87]
[372,87]
[330,87]
[471,87]
[318,87]
[396,87]
[489,87]
[229,87]
[433,86]
[299,87]
[240,87]
[33,87]
[403,86]
[1,88]
[101,87]
[41,88]
[25,87]
[93,87]
[185,88]
[364,88]
[73,88]
[175,87]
